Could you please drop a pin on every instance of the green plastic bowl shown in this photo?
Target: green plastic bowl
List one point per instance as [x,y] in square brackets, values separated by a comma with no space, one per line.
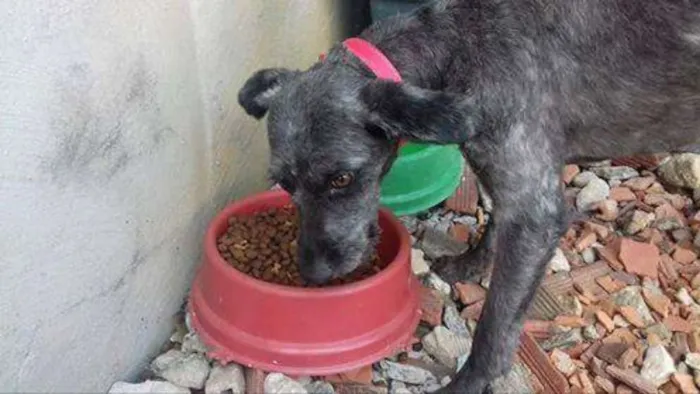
[422,176]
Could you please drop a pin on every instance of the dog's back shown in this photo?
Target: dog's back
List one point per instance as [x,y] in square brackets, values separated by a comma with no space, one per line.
[626,72]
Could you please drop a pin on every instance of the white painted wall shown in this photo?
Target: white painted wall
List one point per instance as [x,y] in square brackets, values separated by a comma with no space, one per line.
[120,137]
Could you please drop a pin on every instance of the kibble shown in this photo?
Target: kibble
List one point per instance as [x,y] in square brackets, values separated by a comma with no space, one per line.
[264,246]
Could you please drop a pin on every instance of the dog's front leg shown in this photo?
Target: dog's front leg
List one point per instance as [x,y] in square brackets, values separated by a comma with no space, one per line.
[522,172]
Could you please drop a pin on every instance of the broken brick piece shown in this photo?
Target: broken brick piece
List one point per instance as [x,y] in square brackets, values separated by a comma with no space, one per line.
[362,375]
[610,252]
[694,341]
[627,358]
[586,241]
[684,256]
[639,258]
[569,173]
[631,315]
[605,385]
[610,284]
[570,321]
[685,383]
[431,304]
[622,194]
[602,231]
[473,311]
[631,379]
[466,198]
[540,329]
[605,320]
[678,324]
[469,293]
[460,232]
[659,303]
[611,352]
[538,362]
[254,381]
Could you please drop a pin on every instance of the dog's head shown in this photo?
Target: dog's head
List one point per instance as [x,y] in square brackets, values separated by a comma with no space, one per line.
[333,134]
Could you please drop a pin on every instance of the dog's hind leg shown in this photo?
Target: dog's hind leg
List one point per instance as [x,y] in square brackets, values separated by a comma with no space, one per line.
[522,175]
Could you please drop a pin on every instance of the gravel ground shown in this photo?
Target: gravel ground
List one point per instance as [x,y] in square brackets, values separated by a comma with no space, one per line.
[619,311]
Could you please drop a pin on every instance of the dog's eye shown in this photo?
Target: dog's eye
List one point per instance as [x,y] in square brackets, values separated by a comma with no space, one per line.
[342,180]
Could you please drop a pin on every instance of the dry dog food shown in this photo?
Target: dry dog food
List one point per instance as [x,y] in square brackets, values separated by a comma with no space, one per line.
[264,246]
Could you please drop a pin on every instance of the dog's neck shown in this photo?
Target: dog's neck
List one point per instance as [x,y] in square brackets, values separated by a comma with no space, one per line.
[420,58]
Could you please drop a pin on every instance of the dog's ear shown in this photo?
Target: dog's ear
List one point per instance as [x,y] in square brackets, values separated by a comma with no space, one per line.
[259,90]
[402,111]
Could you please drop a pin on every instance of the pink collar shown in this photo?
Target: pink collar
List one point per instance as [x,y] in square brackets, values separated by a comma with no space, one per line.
[374,59]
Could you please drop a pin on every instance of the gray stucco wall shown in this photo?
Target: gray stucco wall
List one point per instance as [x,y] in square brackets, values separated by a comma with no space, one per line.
[120,138]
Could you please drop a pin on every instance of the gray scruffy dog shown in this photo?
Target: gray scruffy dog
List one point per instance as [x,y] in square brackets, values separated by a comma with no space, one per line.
[525,86]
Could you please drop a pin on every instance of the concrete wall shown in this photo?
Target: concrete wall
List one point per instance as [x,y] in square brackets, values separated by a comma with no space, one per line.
[120,137]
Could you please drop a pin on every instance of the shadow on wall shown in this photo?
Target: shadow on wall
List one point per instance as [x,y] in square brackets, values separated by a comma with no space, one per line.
[121,137]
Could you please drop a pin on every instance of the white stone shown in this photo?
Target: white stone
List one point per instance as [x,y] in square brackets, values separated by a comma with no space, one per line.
[559,262]
[319,387]
[446,346]
[583,178]
[682,170]
[191,343]
[277,383]
[658,365]
[418,264]
[684,297]
[222,378]
[594,192]
[436,282]
[147,387]
[454,322]
[563,362]
[186,370]
[406,373]
[639,221]
[693,361]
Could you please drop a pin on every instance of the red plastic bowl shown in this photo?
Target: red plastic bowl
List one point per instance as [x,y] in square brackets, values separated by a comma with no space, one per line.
[302,331]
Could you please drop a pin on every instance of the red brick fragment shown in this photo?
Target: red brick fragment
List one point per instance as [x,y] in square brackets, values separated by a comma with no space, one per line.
[684,256]
[362,375]
[631,315]
[639,184]
[685,383]
[694,341]
[678,324]
[622,194]
[610,252]
[609,284]
[460,232]
[605,320]
[659,303]
[469,293]
[431,306]
[538,362]
[639,258]
[569,173]
[473,311]
[570,321]
[254,381]
[604,385]
[540,329]
[466,198]
[586,241]
[631,379]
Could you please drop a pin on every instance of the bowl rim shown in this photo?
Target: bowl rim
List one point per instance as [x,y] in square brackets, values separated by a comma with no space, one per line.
[211,253]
